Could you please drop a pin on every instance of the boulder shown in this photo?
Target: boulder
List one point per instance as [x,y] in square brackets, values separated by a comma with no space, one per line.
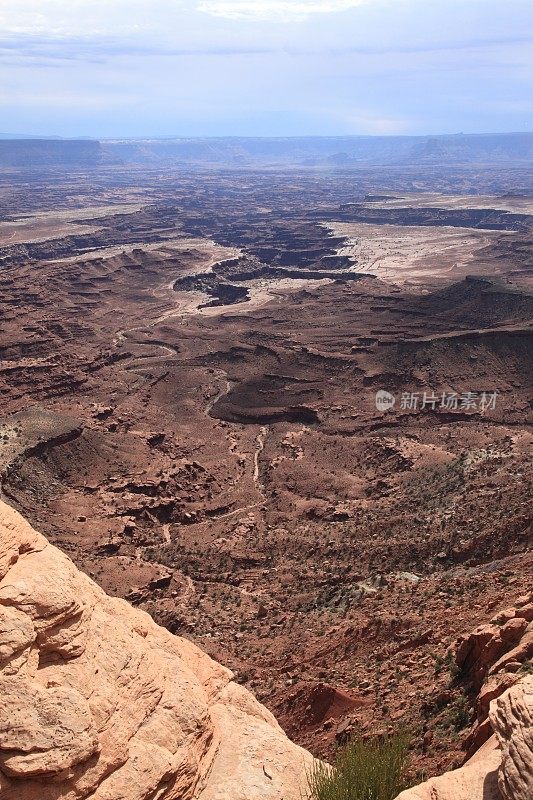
[476,653]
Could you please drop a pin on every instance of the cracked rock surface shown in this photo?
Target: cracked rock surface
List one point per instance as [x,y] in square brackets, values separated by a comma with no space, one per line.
[98,701]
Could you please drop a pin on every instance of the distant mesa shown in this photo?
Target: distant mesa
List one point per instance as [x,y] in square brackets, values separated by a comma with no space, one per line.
[31,153]
[304,151]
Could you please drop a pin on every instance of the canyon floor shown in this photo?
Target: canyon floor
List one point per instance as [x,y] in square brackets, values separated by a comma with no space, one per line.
[189,363]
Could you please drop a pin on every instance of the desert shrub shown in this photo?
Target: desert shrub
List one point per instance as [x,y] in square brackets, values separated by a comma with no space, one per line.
[458,714]
[364,770]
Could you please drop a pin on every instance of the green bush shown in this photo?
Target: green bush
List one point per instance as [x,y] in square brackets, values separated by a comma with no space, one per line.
[364,770]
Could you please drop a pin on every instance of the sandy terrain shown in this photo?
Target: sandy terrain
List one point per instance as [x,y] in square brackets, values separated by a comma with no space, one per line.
[55,224]
[417,255]
[512,203]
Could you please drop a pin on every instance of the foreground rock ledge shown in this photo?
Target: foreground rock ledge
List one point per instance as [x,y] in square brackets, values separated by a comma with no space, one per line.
[502,769]
[97,701]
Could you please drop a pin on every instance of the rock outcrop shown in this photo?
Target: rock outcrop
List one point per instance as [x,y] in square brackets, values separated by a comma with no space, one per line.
[98,701]
[495,662]
[506,640]
[477,780]
[502,769]
[493,658]
[512,719]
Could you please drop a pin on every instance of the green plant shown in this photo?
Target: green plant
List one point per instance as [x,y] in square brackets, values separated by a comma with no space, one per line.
[439,662]
[453,668]
[373,769]
[458,714]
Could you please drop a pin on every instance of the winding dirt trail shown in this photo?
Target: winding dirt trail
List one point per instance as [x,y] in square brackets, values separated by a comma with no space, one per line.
[261,440]
[185,307]
[222,392]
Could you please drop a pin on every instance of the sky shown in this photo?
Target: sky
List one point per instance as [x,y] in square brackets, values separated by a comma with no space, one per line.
[150,68]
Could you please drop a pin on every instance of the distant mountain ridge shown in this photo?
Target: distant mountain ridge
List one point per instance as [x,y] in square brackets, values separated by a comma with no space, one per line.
[31,153]
[334,151]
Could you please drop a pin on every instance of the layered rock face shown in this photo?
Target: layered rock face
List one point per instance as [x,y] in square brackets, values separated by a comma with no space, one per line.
[97,701]
[495,661]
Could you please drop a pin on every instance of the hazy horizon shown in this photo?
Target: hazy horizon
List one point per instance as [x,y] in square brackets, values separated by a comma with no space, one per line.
[177,137]
[267,68]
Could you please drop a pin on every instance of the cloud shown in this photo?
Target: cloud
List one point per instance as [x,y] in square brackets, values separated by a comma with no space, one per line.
[100,49]
[31,49]
[210,67]
[280,10]
[83,17]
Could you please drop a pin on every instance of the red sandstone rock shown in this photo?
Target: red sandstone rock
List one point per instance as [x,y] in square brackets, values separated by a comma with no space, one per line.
[97,701]
[477,780]
[503,768]
[512,719]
